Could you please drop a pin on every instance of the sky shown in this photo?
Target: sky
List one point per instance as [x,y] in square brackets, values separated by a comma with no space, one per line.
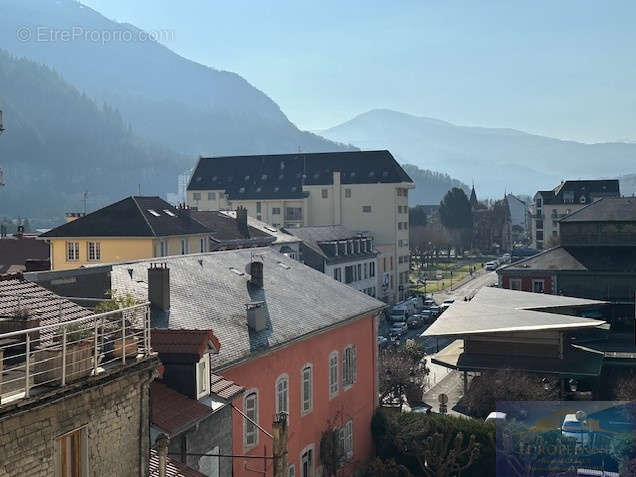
[562,68]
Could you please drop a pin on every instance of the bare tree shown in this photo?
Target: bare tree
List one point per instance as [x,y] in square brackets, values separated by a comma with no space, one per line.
[402,373]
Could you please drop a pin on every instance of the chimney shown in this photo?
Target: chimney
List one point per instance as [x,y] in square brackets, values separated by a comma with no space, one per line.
[256,315]
[71,216]
[241,220]
[20,231]
[256,272]
[159,286]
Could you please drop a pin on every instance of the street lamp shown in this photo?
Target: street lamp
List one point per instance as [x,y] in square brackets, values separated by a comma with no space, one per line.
[1,123]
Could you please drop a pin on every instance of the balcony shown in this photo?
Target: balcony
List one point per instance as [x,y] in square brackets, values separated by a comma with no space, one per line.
[41,359]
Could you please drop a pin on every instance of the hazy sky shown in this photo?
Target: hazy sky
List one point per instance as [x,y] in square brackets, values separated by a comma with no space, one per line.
[559,68]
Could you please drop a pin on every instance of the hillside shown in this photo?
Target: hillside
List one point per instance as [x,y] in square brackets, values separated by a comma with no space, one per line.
[496,159]
[59,143]
[189,107]
[430,186]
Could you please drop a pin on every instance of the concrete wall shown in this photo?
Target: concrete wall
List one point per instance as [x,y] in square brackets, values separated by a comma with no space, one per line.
[115,414]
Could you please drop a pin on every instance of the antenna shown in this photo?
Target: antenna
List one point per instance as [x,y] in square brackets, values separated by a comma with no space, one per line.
[139,188]
[85,197]
[1,131]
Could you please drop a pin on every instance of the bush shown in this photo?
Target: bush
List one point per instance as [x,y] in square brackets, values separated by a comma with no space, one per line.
[383,468]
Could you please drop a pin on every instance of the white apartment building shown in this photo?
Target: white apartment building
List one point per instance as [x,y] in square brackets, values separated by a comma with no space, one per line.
[550,206]
[366,191]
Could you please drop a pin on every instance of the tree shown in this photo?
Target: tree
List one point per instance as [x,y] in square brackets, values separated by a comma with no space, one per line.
[455,213]
[402,372]
[417,216]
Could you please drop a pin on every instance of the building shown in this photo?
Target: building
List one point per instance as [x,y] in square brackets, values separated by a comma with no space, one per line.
[73,387]
[146,227]
[341,254]
[284,241]
[492,225]
[569,196]
[295,339]
[538,334]
[20,252]
[366,191]
[596,258]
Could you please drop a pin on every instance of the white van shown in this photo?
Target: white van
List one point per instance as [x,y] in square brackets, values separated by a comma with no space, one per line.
[399,313]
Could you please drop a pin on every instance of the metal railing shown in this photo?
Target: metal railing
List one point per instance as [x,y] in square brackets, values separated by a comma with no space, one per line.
[38,358]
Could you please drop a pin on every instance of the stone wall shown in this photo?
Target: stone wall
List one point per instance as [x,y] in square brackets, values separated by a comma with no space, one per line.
[115,412]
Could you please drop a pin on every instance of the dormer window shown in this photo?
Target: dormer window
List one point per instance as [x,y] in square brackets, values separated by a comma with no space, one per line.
[203,376]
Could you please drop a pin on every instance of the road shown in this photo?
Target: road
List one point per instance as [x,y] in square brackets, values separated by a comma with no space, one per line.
[469,288]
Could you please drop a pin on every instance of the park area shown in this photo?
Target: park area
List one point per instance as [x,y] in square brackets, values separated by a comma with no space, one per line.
[433,277]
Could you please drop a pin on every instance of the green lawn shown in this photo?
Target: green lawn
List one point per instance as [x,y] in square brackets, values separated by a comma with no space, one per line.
[438,276]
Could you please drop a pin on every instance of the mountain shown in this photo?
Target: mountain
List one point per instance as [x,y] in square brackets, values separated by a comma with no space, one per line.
[496,159]
[430,186]
[189,107]
[59,143]
[628,184]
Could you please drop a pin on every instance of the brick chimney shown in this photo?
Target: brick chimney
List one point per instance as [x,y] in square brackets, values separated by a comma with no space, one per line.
[159,286]
[241,220]
[71,216]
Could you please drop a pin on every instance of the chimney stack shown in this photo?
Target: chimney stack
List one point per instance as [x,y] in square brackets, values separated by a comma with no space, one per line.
[71,216]
[256,272]
[159,286]
[241,220]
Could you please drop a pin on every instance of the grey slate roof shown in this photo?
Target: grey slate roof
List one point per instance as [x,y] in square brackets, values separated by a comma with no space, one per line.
[223,227]
[279,235]
[210,291]
[315,236]
[589,189]
[512,313]
[283,175]
[578,259]
[131,217]
[607,209]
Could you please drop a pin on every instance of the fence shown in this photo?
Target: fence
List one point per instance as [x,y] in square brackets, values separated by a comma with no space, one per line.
[36,359]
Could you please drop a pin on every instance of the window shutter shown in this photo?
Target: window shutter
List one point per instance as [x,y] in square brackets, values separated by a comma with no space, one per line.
[354,365]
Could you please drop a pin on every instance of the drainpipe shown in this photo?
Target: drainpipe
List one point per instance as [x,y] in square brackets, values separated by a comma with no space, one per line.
[162,449]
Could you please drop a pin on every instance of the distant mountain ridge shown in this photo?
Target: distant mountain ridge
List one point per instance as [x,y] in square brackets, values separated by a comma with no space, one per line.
[496,159]
[189,107]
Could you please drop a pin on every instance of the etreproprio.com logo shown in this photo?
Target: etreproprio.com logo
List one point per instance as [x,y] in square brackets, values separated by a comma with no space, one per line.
[48,34]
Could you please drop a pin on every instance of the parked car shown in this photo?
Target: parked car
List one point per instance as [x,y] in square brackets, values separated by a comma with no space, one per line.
[491,266]
[577,427]
[429,303]
[427,316]
[382,342]
[435,311]
[446,303]
[414,321]
[399,329]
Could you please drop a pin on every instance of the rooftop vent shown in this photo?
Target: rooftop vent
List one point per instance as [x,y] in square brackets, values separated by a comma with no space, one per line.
[256,315]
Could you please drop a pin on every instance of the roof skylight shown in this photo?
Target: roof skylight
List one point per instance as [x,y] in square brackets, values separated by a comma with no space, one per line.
[169,212]
[154,212]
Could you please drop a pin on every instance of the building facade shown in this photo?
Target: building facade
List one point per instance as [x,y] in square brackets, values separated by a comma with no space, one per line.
[366,191]
[552,205]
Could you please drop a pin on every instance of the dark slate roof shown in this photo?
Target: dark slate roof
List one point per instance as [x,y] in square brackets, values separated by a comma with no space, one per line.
[210,291]
[173,412]
[280,236]
[196,342]
[283,175]
[583,258]
[174,468]
[131,217]
[15,251]
[314,236]
[589,189]
[607,209]
[223,228]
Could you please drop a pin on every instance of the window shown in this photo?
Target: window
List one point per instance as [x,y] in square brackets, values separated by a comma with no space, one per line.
[348,366]
[94,251]
[184,246]
[211,195]
[307,462]
[337,274]
[202,241]
[72,251]
[306,389]
[154,212]
[366,271]
[275,210]
[372,269]
[333,374]
[250,431]
[196,196]
[539,224]
[282,394]
[359,271]
[163,248]
[347,193]
[291,471]
[203,376]
[71,454]
[399,225]
[346,440]
[324,193]
[391,262]
[366,208]
[538,286]
[348,274]
[515,284]
[293,213]
[258,207]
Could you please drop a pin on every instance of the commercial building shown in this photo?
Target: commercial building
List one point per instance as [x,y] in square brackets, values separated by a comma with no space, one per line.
[366,191]
[552,205]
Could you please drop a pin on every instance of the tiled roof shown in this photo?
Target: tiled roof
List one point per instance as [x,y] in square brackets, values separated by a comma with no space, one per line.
[283,175]
[135,216]
[50,308]
[210,292]
[14,252]
[607,209]
[222,227]
[172,412]
[224,388]
[174,468]
[183,341]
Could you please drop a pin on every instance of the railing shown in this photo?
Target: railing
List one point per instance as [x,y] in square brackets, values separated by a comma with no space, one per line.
[40,358]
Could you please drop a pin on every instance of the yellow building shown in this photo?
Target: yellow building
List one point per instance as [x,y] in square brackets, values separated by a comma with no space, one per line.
[144,227]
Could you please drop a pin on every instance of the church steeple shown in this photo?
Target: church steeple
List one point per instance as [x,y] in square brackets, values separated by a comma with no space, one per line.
[473,198]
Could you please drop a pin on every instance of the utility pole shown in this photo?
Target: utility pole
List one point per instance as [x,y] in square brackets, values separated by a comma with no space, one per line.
[279,447]
[1,131]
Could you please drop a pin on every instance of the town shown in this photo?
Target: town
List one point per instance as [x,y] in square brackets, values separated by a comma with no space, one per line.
[321,310]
